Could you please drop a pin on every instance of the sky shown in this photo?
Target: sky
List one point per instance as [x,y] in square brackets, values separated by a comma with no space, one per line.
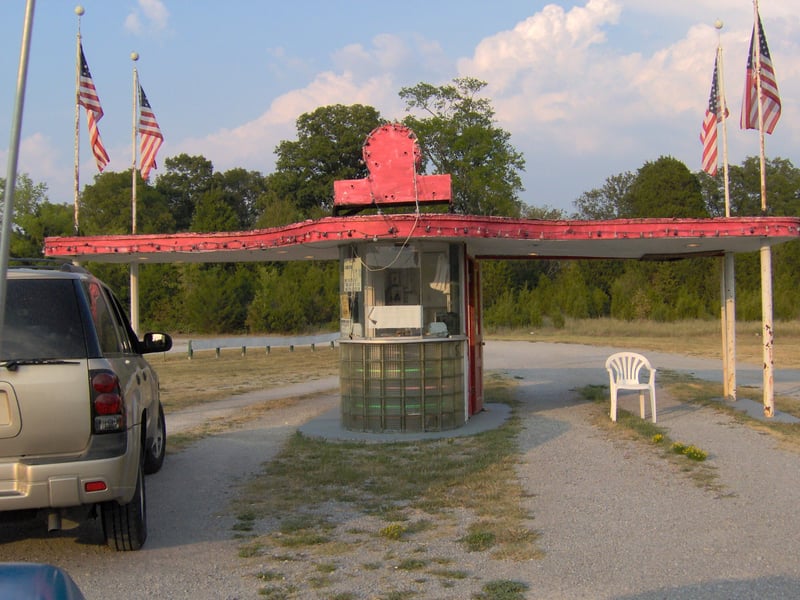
[586,89]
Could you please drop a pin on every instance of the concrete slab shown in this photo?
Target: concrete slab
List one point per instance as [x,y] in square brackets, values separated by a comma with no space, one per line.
[328,426]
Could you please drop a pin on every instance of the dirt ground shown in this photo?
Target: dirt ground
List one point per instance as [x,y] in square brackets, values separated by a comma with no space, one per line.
[616,521]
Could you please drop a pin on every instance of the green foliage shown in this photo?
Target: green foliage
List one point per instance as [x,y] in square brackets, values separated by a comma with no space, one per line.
[503,589]
[606,202]
[458,135]
[185,180]
[689,451]
[215,297]
[664,188]
[34,218]
[294,297]
[215,211]
[106,206]
[328,147]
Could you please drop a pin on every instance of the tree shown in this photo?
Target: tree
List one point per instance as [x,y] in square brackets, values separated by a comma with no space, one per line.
[606,202]
[459,136]
[664,188]
[783,187]
[106,206]
[185,179]
[215,212]
[34,218]
[244,188]
[328,147]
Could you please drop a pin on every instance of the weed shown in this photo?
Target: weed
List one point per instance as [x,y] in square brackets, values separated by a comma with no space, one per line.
[278,592]
[250,550]
[478,541]
[691,452]
[326,568]
[449,574]
[394,531]
[502,590]
[412,564]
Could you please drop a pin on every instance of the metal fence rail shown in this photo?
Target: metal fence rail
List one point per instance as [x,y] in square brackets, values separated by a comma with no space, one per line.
[266,342]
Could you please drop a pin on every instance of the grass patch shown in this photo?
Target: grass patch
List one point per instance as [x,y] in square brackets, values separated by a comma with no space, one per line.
[644,430]
[394,531]
[415,487]
[699,337]
[185,383]
[412,564]
[479,538]
[502,590]
[475,473]
[278,592]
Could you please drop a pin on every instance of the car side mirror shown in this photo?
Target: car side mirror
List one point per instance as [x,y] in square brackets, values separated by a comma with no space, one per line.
[155,342]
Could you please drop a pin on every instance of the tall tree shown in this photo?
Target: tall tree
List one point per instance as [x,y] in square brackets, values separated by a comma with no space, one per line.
[606,202]
[244,188]
[34,218]
[185,179]
[458,135]
[106,207]
[328,147]
[664,188]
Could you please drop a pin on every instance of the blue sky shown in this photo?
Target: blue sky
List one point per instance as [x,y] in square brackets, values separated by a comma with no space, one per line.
[587,89]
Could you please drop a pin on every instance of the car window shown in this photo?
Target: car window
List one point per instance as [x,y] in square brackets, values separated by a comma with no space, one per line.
[129,340]
[107,329]
[42,320]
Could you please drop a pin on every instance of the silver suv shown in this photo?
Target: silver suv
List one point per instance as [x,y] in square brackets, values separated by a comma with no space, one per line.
[81,421]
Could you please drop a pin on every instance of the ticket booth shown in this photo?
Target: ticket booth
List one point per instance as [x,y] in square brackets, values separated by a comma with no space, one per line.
[411,351]
[406,358]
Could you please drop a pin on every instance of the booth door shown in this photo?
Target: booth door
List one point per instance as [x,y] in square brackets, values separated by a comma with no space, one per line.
[474,336]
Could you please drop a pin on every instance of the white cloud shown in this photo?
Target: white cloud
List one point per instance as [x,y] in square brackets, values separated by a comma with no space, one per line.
[39,157]
[155,16]
[364,75]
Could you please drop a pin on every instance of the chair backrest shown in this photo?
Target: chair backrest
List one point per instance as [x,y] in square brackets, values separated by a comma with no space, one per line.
[627,365]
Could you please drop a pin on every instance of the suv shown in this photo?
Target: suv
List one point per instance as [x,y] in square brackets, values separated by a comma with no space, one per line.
[81,421]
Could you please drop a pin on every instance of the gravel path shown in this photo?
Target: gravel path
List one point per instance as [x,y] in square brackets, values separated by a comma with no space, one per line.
[619,521]
[616,519]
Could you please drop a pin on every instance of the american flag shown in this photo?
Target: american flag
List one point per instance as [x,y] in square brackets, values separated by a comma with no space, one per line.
[715,112]
[770,100]
[150,136]
[87,97]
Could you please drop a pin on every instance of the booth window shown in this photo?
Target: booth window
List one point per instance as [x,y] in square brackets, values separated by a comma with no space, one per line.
[408,290]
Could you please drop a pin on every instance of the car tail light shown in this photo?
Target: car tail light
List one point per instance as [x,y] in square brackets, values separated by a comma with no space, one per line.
[95,486]
[108,406]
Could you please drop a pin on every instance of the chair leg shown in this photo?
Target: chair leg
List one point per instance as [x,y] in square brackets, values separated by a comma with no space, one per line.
[614,405]
[653,405]
[641,404]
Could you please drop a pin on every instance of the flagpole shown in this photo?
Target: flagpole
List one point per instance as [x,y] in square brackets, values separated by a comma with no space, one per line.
[13,154]
[766,252]
[728,273]
[134,266]
[76,178]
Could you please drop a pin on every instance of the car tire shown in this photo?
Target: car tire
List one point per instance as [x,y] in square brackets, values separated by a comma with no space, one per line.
[125,525]
[154,454]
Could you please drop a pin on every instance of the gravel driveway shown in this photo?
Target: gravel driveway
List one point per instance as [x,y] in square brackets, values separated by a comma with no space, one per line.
[616,520]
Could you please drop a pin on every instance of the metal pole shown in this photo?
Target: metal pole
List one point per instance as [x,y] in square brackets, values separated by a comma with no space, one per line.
[134,266]
[768,333]
[728,273]
[13,155]
[76,177]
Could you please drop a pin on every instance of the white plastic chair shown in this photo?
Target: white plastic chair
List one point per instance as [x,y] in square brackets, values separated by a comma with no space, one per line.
[623,371]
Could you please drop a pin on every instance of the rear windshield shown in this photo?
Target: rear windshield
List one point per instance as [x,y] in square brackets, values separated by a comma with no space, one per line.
[42,320]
